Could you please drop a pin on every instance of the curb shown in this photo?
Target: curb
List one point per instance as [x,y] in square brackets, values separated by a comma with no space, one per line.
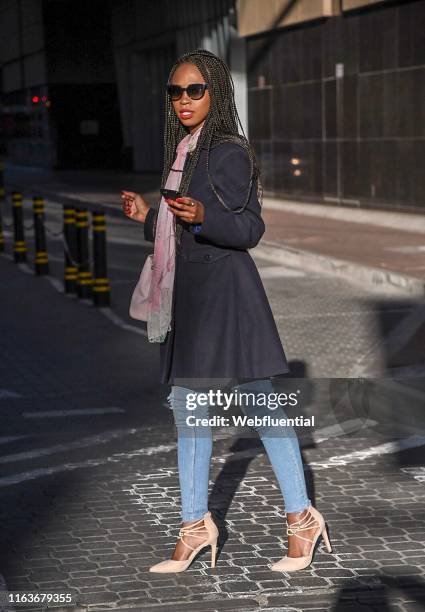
[373,278]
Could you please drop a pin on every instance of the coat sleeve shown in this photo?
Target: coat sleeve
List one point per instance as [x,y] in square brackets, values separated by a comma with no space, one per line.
[150,224]
[230,175]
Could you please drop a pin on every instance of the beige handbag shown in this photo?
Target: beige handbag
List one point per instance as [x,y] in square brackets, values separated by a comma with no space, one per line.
[140,298]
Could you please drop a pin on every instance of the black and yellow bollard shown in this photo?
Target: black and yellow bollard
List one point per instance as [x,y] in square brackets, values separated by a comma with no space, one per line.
[2,194]
[70,249]
[101,289]
[84,280]
[20,249]
[41,257]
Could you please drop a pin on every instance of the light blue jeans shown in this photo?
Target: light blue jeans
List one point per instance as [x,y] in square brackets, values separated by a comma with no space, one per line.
[194,450]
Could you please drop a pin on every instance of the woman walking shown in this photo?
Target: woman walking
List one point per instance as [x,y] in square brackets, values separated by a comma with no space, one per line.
[208,308]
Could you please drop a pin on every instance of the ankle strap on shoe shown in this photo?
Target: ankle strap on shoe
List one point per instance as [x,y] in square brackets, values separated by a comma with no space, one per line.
[293,528]
[192,530]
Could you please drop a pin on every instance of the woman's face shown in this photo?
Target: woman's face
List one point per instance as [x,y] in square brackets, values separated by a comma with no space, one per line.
[184,75]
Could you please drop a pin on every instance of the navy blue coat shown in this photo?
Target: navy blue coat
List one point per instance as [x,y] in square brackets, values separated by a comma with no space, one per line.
[222,325]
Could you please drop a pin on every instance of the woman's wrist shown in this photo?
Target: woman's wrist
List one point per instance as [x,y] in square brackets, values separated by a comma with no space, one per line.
[144,214]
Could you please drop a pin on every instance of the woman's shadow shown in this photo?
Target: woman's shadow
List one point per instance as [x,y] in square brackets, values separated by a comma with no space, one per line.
[245,449]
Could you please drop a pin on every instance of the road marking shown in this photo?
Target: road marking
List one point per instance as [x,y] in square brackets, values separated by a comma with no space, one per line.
[47,471]
[337,460]
[6,394]
[57,284]
[381,449]
[24,267]
[340,429]
[61,413]
[88,441]
[115,458]
[149,451]
[116,319]
[7,439]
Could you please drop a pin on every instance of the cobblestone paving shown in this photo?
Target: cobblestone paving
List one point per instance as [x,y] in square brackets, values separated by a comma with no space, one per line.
[96,530]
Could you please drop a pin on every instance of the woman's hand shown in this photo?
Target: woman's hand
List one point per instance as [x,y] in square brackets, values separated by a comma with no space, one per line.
[134,206]
[181,207]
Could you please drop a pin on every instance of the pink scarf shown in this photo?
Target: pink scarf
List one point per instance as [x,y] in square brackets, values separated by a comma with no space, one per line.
[162,282]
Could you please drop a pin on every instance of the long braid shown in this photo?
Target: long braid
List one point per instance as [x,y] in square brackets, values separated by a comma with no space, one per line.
[221,123]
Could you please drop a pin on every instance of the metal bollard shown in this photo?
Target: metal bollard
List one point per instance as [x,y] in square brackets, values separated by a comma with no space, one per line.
[101,289]
[2,194]
[84,280]
[70,250]
[20,249]
[41,257]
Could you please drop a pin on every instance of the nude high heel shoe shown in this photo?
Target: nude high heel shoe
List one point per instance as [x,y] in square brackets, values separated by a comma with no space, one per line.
[310,520]
[170,565]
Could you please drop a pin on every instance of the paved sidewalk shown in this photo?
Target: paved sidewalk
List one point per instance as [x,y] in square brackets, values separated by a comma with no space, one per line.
[375,247]
[366,243]
[379,248]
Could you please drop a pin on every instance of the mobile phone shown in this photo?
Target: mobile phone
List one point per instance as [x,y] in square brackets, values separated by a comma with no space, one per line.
[170,193]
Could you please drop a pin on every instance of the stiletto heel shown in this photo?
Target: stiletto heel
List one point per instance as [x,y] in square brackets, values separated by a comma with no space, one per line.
[171,565]
[311,519]
[325,536]
[213,553]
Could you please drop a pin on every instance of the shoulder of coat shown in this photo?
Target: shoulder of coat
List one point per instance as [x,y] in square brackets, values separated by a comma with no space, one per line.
[225,145]
[223,149]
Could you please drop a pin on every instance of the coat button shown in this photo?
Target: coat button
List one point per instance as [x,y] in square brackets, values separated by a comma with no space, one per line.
[207,257]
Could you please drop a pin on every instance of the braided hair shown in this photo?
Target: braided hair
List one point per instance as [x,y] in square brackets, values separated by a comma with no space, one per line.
[220,125]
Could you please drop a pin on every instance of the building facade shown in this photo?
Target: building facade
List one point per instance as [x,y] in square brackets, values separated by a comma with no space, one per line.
[329,92]
[336,101]
[59,102]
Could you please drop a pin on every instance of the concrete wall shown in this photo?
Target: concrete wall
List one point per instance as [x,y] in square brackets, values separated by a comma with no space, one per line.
[255,16]
[348,5]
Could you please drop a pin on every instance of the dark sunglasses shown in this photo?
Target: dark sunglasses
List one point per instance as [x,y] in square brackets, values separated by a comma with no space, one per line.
[195,91]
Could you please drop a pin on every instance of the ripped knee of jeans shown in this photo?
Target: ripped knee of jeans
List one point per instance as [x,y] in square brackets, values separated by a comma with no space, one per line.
[177,398]
[170,399]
